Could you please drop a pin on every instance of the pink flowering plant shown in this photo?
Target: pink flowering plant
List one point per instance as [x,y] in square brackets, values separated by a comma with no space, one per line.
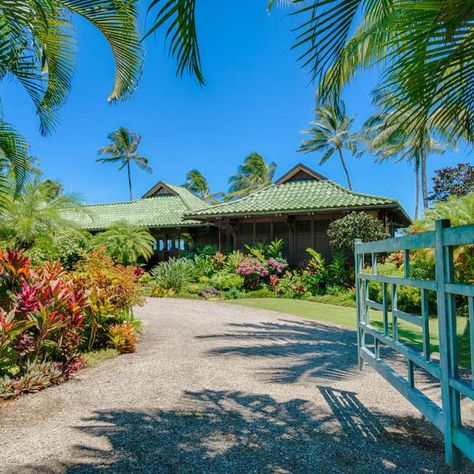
[276,266]
[253,271]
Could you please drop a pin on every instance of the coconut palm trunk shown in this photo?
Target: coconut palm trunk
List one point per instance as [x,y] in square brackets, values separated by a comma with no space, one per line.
[129,180]
[424,188]
[417,189]
[349,184]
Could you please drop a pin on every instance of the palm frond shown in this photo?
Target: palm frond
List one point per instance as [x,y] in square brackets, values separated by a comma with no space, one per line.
[118,22]
[15,162]
[425,48]
[180,18]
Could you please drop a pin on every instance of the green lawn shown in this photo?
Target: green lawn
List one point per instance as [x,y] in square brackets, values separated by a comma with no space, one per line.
[345,316]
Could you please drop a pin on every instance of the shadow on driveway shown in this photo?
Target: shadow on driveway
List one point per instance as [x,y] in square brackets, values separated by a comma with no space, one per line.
[304,348]
[221,431]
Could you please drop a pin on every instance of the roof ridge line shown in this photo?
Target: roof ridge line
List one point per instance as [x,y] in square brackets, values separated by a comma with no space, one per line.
[253,193]
[358,193]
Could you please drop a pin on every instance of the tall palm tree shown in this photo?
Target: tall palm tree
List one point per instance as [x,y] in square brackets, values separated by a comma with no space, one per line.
[254,174]
[331,133]
[389,137]
[35,211]
[123,149]
[197,183]
[41,56]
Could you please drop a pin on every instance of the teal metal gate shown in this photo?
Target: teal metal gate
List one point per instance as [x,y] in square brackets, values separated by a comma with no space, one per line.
[446,416]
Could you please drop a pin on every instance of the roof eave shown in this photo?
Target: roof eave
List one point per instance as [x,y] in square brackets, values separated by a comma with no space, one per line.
[394,206]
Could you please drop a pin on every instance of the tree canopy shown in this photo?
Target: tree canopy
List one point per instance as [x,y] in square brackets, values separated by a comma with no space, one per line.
[123,149]
[331,133]
[457,181]
[356,225]
[254,174]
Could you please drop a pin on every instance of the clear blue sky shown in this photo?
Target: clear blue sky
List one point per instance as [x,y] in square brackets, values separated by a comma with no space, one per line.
[256,99]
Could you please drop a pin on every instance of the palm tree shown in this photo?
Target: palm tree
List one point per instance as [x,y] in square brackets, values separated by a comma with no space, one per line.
[123,149]
[424,49]
[254,174]
[15,161]
[35,211]
[389,137]
[41,55]
[197,183]
[126,243]
[331,133]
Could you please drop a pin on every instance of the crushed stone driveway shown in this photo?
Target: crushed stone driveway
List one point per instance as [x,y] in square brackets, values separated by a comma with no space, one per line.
[222,388]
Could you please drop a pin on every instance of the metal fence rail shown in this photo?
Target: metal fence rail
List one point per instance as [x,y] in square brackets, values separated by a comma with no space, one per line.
[447,416]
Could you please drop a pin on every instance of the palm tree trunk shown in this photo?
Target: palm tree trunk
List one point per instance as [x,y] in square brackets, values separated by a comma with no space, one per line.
[417,188]
[129,180]
[424,190]
[349,184]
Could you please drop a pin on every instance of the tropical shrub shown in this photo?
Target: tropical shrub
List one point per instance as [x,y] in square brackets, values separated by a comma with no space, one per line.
[225,281]
[340,271]
[459,211]
[218,261]
[48,316]
[66,246]
[291,285]
[119,284]
[202,266]
[36,377]
[233,260]
[158,292]
[233,294]
[356,225]
[37,212]
[262,251]
[253,271]
[126,243]
[275,249]
[261,293]
[206,250]
[173,274]
[123,337]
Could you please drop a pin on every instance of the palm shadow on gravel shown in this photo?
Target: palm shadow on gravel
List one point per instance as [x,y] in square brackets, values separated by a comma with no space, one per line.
[305,348]
[221,431]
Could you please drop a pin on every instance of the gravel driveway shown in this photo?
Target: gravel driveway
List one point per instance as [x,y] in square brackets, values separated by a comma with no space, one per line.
[221,388]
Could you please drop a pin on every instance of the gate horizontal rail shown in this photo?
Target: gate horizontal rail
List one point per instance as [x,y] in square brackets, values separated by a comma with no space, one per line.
[446,416]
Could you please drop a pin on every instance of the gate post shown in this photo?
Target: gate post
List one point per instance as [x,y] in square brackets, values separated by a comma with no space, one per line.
[447,343]
[358,283]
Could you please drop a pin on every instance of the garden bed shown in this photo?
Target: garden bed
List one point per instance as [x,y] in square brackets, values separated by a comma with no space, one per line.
[53,322]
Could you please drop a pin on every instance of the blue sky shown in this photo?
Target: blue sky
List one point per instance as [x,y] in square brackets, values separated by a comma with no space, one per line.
[256,98]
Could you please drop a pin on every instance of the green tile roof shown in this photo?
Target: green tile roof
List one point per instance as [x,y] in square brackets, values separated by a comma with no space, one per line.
[164,210]
[297,196]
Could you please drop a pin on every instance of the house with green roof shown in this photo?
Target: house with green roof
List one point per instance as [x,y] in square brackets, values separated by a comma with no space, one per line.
[161,210]
[297,208]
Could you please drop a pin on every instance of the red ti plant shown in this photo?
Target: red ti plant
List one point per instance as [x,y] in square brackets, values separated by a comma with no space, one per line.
[10,328]
[14,269]
[54,307]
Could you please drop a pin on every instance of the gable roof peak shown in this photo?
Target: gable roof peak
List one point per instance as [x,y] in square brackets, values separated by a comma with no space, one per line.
[300,172]
[158,188]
